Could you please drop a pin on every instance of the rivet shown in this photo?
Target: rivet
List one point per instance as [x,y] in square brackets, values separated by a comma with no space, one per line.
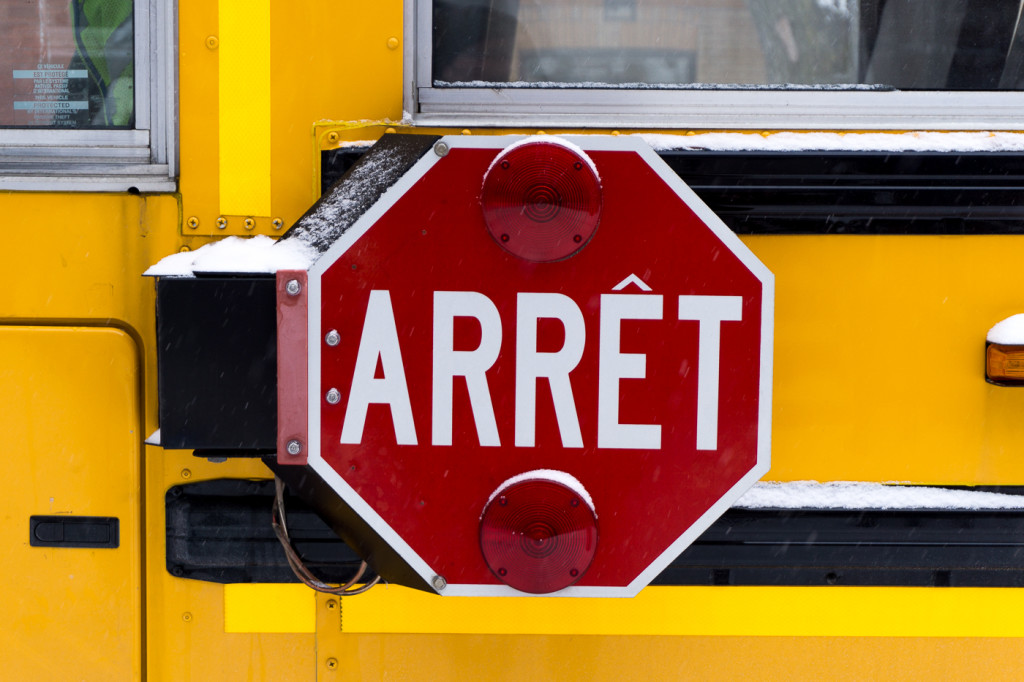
[212,42]
[334,396]
[332,604]
[332,663]
[184,249]
[333,338]
[186,473]
[187,617]
[439,582]
[390,131]
[616,132]
[441,149]
[193,222]
[222,222]
[333,137]
[765,133]
[294,447]
[467,131]
[392,43]
[277,223]
[541,132]
[293,287]
[249,223]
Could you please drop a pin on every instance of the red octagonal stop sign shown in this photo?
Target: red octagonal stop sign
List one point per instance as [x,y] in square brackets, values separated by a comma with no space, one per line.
[618,349]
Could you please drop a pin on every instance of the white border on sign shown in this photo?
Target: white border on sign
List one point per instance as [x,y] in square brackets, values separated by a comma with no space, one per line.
[727,237]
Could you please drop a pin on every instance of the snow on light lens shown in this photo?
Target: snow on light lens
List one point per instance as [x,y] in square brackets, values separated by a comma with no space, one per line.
[539,535]
[541,200]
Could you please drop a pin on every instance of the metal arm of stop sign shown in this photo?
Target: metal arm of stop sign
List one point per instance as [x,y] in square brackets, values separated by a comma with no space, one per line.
[379,343]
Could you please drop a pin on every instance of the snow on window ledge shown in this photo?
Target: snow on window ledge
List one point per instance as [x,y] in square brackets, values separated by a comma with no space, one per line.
[862,495]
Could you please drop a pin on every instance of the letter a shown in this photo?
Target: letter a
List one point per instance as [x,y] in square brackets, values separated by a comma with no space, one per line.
[379,341]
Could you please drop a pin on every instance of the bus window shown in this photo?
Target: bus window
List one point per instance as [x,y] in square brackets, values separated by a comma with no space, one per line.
[67,64]
[87,95]
[728,44]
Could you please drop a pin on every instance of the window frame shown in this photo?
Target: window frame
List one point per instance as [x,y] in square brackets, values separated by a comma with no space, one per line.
[711,108]
[142,159]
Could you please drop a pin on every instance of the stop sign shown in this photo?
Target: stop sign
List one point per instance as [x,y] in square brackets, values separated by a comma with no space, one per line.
[535,366]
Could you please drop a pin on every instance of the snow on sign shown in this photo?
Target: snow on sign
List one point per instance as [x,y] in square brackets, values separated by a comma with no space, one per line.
[535,366]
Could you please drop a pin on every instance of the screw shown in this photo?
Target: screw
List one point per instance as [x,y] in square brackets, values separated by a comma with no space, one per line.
[293,287]
[249,223]
[212,42]
[277,223]
[333,338]
[187,617]
[294,447]
[334,396]
[184,249]
[193,222]
[222,222]
[332,604]
[441,149]
[186,473]
[333,137]
[332,663]
[439,582]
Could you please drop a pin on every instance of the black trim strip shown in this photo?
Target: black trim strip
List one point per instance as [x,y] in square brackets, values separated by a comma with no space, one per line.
[219,531]
[892,193]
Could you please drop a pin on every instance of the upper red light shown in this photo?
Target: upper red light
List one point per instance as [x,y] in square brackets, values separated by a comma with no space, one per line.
[541,201]
[538,535]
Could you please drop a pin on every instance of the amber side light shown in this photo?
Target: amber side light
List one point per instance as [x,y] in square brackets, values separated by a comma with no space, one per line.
[1004,365]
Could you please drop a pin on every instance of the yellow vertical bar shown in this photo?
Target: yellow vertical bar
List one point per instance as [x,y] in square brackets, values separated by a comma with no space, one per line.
[244,119]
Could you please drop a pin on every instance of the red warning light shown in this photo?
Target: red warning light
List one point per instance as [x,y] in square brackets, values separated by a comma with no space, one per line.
[538,533]
[542,200]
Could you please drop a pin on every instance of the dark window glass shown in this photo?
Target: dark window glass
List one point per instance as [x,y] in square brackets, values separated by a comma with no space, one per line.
[67,64]
[828,44]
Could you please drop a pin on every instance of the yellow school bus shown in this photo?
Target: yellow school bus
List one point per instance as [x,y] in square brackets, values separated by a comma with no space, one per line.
[866,151]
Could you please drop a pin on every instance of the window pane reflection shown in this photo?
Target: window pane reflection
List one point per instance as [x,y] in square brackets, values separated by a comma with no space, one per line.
[67,64]
[838,44]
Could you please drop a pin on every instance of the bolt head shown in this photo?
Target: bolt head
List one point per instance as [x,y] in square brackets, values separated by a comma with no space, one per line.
[333,338]
[293,287]
[294,447]
[439,582]
[222,223]
[249,223]
[277,223]
[441,149]
[334,396]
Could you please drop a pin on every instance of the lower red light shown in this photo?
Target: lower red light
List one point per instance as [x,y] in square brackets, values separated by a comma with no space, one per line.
[541,200]
[539,535]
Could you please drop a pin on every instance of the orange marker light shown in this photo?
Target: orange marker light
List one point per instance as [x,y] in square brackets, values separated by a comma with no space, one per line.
[1004,364]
